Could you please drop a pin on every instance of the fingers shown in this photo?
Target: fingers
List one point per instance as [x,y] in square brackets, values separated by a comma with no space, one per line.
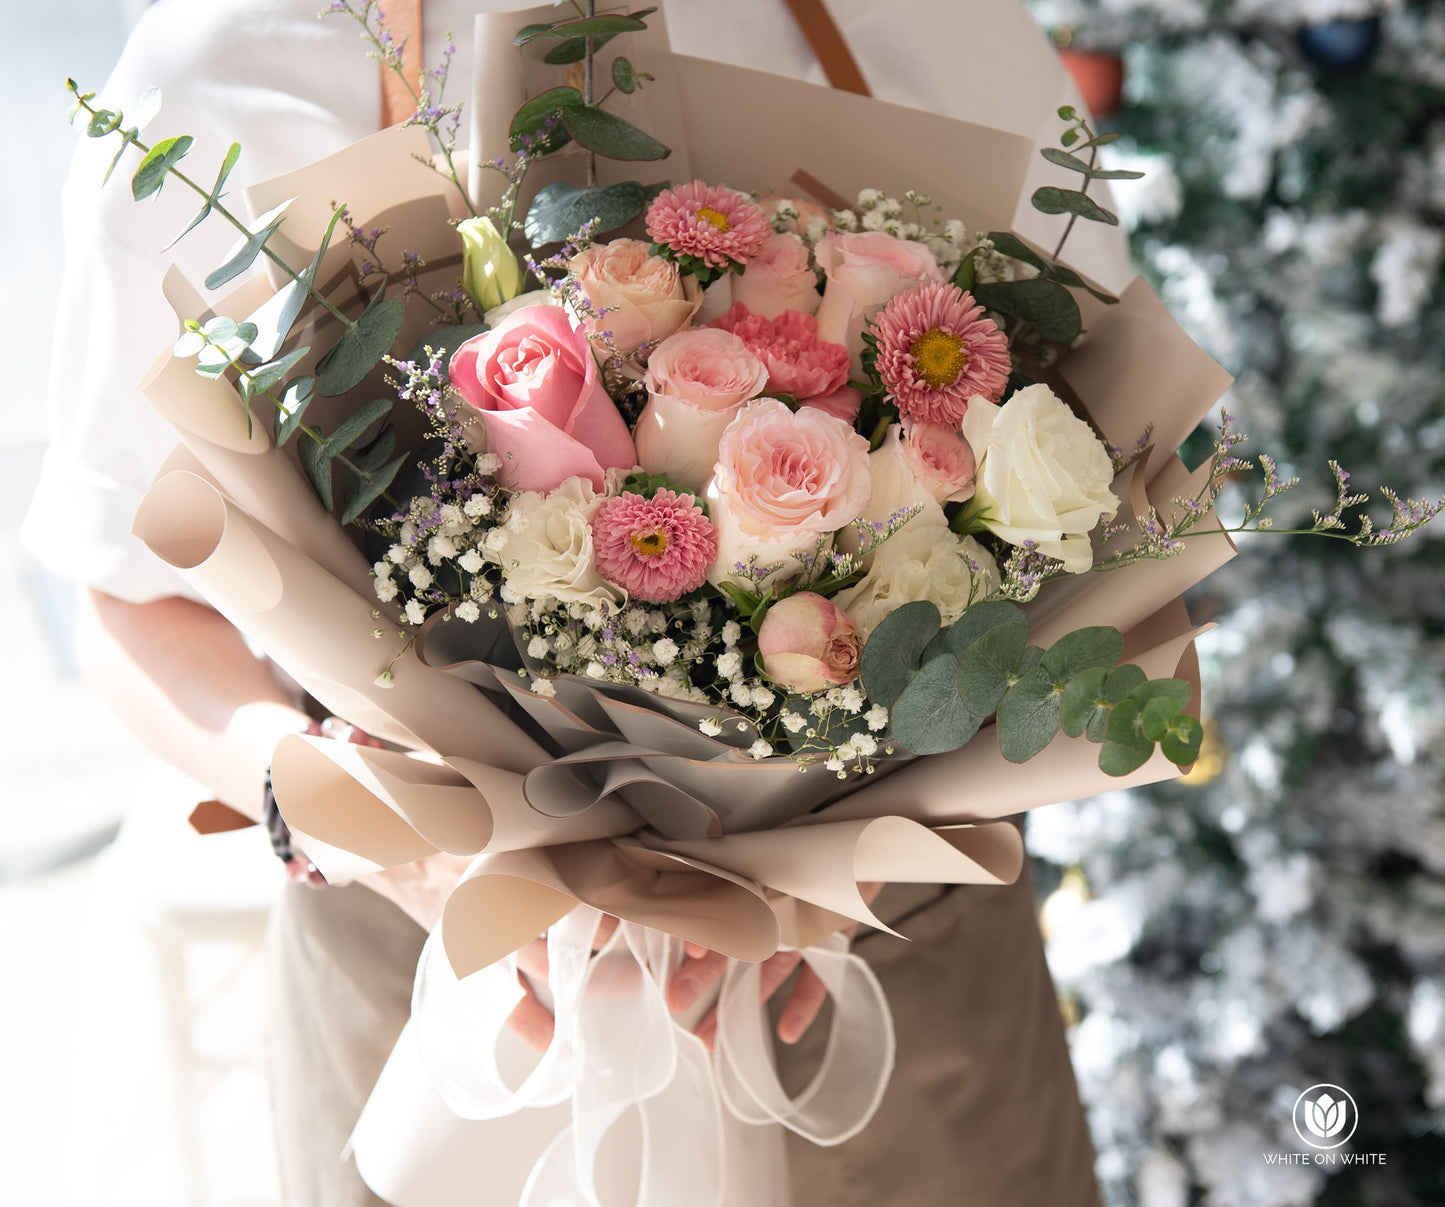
[803,1005]
[695,976]
[532,1020]
[772,974]
[774,971]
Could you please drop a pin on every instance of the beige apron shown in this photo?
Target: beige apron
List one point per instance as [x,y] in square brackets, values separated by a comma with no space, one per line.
[982,1110]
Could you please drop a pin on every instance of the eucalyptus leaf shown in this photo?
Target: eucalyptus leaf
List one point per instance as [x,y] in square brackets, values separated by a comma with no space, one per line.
[263,377]
[278,314]
[534,112]
[370,488]
[1045,304]
[560,210]
[297,397]
[1080,702]
[1099,646]
[966,273]
[623,75]
[201,216]
[1051,200]
[316,462]
[929,718]
[1028,716]
[378,452]
[158,161]
[1182,742]
[991,664]
[583,27]
[1125,749]
[1178,690]
[1157,716]
[355,427]
[102,122]
[232,155]
[1075,164]
[979,619]
[244,252]
[895,648]
[360,347]
[610,135]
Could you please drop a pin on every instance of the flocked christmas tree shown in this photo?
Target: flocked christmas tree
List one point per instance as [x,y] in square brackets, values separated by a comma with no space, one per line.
[1279,920]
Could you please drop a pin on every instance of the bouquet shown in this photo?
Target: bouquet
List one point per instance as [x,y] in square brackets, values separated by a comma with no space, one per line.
[742,542]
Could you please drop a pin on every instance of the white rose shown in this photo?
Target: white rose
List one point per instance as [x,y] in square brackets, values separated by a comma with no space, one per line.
[547,546]
[1042,474]
[930,563]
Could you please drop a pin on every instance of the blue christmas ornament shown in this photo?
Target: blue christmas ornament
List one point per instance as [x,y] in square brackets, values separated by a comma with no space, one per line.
[1340,45]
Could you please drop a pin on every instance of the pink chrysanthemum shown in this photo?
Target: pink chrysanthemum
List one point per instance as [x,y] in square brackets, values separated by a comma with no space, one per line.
[657,549]
[936,351]
[717,225]
[799,363]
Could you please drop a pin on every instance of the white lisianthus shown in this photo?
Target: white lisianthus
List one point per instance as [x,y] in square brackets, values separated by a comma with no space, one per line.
[546,548]
[933,564]
[1042,474]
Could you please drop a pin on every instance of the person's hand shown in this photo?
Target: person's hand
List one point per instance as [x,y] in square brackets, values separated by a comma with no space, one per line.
[702,969]
[420,889]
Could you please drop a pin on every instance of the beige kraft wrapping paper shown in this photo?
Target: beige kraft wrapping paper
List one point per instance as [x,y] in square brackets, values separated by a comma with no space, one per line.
[607,799]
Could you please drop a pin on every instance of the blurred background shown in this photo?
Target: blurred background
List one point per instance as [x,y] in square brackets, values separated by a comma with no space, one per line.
[1220,944]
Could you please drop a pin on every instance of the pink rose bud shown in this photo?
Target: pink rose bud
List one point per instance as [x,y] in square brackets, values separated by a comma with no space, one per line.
[809,644]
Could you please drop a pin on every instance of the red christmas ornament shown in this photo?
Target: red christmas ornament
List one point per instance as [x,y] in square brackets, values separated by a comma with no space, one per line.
[1100,77]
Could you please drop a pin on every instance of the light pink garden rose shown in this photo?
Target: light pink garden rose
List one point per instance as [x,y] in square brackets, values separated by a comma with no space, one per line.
[783,481]
[534,382]
[651,298]
[808,643]
[799,363]
[779,278]
[865,270]
[696,381]
[942,460]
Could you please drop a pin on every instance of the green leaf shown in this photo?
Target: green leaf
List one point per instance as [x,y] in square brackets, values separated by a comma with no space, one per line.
[560,210]
[243,254]
[159,160]
[278,314]
[1178,690]
[1125,749]
[1069,137]
[377,452]
[1046,304]
[574,49]
[1015,248]
[583,27]
[1068,113]
[220,328]
[533,113]
[528,32]
[1075,164]
[205,212]
[928,717]
[1181,743]
[102,122]
[226,165]
[265,376]
[610,135]
[967,272]
[1028,716]
[1117,686]
[294,402]
[1078,706]
[120,151]
[360,347]
[893,654]
[316,461]
[1157,716]
[1099,646]
[992,664]
[371,488]
[356,426]
[623,75]
[1050,200]
[978,620]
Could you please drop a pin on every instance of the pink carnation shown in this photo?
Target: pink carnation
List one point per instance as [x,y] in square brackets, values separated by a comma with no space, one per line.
[798,362]
[718,225]
[936,351]
[657,549]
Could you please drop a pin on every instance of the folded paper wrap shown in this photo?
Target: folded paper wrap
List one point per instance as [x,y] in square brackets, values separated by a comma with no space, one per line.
[610,800]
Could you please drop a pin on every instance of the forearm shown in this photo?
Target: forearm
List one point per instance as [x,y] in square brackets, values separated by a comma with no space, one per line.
[181,677]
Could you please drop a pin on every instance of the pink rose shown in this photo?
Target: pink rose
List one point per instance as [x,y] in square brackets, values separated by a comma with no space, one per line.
[696,381]
[864,271]
[649,299]
[783,482]
[942,460]
[534,382]
[808,643]
[780,277]
[798,362]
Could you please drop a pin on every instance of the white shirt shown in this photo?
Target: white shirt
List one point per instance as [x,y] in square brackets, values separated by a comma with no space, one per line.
[291,88]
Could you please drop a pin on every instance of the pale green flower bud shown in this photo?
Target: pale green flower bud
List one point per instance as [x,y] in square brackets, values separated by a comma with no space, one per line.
[490,271]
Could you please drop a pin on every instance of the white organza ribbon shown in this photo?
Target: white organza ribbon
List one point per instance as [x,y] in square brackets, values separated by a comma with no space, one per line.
[617,1049]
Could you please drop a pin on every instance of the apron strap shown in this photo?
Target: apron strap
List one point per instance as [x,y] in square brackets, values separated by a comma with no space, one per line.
[404,22]
[830,48]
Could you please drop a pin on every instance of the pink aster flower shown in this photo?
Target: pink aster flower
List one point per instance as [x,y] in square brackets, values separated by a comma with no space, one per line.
[657,549]
[718,225]
[936,351]
[812,370]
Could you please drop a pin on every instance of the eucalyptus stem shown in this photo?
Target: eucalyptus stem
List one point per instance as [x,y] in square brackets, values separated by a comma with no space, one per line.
[1073,217]
[214,201]
[587,93]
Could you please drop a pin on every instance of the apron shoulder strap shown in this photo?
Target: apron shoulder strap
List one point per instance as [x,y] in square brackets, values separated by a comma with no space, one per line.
[829,46]
[403,19]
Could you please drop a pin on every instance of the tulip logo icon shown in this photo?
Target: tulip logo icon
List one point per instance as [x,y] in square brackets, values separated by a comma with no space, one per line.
[1325,1116]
